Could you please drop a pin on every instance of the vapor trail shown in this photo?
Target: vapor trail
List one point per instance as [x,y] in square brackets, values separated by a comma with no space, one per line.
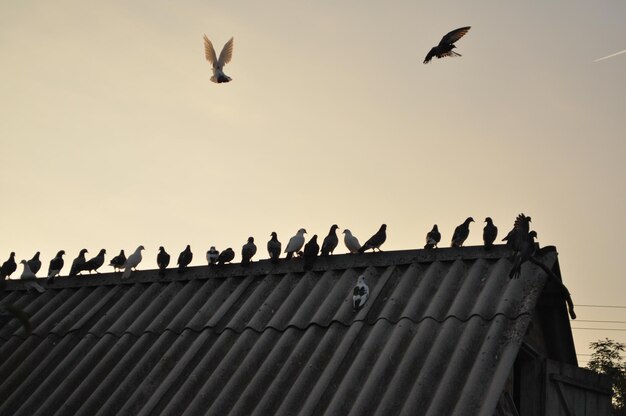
[610,56]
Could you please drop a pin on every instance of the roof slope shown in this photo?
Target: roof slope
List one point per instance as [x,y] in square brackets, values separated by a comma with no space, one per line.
[438,335]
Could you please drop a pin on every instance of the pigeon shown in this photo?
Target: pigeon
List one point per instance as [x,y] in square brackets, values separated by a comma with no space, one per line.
[35,263]
[212,255]
[521,226]
[490,232]
[311,249]
[447,44]
[433,237]
[8,267]
[218,63]
[461,233]
[56,264]
[360,293]
[273,248]
[78,263]
[330,241]
[248,251]
[118,261]
[226,256]
[94,263]
[27,273]
[132,262]
[295,243]
[351,242]
[184,258]
[163,260]
[376,240]
[526,249]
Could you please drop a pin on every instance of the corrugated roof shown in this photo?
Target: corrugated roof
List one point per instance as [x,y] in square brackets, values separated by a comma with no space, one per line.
[438,336]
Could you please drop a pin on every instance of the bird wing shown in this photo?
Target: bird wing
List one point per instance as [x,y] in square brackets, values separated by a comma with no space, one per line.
[227,52]
[521,224]
[209,52]
[430,55]
[454,35]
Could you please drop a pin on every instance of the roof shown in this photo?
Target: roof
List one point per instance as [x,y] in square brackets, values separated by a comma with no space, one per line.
[438,335]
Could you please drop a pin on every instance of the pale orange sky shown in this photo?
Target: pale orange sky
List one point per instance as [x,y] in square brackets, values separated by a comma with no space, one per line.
[113,135]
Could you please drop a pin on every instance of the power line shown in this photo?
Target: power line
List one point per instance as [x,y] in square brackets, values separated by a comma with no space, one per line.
[608,322]
[601,306]
[602,329]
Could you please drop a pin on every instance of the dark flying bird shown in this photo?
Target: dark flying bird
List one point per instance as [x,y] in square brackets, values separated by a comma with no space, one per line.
[295,243]
[490,232]
[8,267]
[95,263]
[163,260]
[132,262]
[226,256]
[376,240]
[274,247]
[461,233]
[433,237]
[78,263]
[56,264]
[360,293]
[35,263]
[330,241]
[212,255]
[351,242]
[447,44]
[218,63]
[118,261]
[311,249]
[184,258]
[521,226]
[248,251]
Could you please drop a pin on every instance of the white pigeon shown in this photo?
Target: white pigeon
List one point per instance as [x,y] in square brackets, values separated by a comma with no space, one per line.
[351,242]
[360,294]
[27,273]
[212,255]
[295,243]
[131,262]
[218,63]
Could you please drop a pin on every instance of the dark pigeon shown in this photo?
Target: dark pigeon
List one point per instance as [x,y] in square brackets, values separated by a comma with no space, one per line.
[8,267]
[461,233]
[433,237]
[94,263]
[360,294]
[212,255]
[522,241]
[184,258]
[330,241]
[273,248]
[376,240]
[311,250]
[56,264]
[78,263]
[248,251]
[118,261]
[163,260]
[226,256]
[35,263]
[490,232]
[521,226]
[447,44]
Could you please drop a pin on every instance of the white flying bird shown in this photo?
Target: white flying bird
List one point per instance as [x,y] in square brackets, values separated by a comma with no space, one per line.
[610,56]
[131,262]
[360,294]
[218,63]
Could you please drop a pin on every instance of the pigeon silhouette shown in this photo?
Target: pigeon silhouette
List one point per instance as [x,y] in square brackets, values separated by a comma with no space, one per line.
[78,263]
[274,247]
[433,237]
[118,261]
[35,264]
[248,251]
[184,258]
[490,232]
[226,256]
[351,242]
[311,249]
[163,260]
[461,233]
[132,262]
[447,44]
[218,63]
[330,241]
[376,240]
[8,267]
[295,243]
[360,294]
[95,263]
[56,264]
[212,255]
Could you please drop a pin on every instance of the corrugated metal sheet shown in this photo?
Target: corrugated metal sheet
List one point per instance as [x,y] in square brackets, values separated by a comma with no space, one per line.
[438,336]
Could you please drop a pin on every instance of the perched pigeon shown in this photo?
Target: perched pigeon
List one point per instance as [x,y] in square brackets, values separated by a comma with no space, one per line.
[163,260]
[447,44]
[27,273]
[118,261]
[311,249]
[95,263]
[351,242]
[461,233]
[490,232]
[248,251]
[184,258]
[376,240]
[330,241]
[212,255]
[433,237]
[526,249]
[360,294]
[56,264]
[295,243]
[8,267]
[78,263]
[35,263]
[218,63]
[132,262]
[273,248]
[226,256]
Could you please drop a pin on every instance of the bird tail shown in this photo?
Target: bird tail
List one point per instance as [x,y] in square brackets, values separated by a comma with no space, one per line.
[289,255]
[126,273]
[517,267]
[363,248]
[429,246]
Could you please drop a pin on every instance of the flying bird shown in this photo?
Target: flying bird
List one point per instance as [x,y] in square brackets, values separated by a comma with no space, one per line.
[311,249]
[461,233]
[132,262]
[521,226]
[274,247]
[248,251]
[8,267]
[27,273]
[447,44]
[184,258]
[226,256]
[295,243]
[163,260]
[610,56]
[218,63]
[376,240]
[330,241]
[95,263]
[35,264]
[78,263]
[360,293]
[351,242]
[212,255]
[433,237]
[490,232]
[56,264]
[118,261]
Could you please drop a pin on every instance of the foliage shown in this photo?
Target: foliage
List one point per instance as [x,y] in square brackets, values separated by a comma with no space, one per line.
[607,359]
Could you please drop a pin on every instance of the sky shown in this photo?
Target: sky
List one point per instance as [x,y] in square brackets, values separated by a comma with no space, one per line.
[112,134]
